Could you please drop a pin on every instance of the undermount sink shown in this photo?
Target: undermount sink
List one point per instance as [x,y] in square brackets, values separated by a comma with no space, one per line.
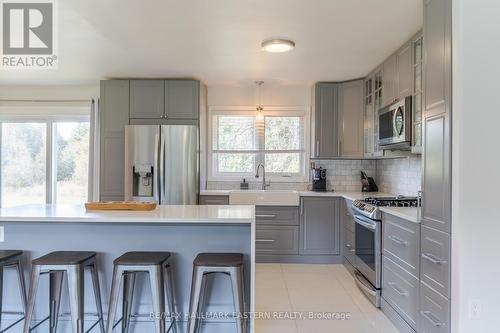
[264,198]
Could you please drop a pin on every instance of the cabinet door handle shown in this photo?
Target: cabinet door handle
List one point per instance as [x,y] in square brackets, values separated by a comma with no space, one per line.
[433,259]
[266,216]
[394,286]
[214,201]
[317,148]
[432,319]
[398,241]
[265,240]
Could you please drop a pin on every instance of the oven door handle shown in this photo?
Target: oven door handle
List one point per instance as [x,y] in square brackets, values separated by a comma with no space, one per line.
[365,222]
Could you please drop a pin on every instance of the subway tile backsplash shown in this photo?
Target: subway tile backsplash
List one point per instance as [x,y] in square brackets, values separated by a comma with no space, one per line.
[400,176]
[394,176]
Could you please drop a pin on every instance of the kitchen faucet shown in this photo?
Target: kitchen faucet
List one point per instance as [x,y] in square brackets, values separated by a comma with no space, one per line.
[264,185]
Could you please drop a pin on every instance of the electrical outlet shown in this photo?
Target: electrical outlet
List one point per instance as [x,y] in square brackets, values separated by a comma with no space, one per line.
[474,309]
[2,234]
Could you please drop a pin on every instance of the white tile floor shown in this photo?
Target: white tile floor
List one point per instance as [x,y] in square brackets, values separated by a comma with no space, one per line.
[316,288]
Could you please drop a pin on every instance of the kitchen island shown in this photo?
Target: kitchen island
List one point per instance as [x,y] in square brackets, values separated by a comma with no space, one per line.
[183,230]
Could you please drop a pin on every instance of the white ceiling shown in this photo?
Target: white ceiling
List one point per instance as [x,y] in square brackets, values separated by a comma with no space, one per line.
[218,41]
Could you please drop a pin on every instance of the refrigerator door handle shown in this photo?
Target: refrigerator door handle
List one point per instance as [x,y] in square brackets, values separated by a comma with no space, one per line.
[156,188]
[161,163]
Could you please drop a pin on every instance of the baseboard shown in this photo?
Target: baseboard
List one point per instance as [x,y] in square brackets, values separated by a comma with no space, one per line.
[395,318]
[298,259]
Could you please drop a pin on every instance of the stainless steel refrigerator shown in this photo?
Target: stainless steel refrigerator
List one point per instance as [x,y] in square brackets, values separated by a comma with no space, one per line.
[162,164]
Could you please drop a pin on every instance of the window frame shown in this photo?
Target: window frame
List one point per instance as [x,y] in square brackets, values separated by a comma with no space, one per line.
[50,116]
[273,111]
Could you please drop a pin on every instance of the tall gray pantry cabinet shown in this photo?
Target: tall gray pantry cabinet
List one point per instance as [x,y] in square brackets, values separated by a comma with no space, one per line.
[436,183]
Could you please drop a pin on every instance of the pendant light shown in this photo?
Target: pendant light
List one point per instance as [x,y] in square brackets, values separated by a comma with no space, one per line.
[260,108]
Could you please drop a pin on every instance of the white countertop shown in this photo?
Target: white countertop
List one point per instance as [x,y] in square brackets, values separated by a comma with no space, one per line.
[334,194]
[162,214]
[406,213]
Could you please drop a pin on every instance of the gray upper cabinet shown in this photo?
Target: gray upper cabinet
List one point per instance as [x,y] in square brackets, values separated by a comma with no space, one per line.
[177,100]
[182,99]
[404,72]
[319,226]
[351,120]
[114,116]
[389,80]
[437,56]
[436,184]
[326,122]
[146,99]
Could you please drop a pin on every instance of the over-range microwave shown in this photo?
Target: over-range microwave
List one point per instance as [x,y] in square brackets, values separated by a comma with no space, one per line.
[394,125]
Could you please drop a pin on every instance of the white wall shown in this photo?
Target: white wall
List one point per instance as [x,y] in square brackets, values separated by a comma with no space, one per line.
[49,92]
[476,164]
[272,95]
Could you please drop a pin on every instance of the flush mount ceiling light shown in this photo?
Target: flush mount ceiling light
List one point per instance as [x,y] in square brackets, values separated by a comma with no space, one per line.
[277,45]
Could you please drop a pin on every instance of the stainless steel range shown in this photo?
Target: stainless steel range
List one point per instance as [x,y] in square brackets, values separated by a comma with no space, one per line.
[368,241]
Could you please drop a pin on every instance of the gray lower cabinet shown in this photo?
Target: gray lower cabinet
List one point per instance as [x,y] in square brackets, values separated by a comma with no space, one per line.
[277,215]
[401,290]
[320,226]
[214,200]
[434,311]
[401,242]
[435,260]
[277,231]
[147,99]
[114,116]
[276,240]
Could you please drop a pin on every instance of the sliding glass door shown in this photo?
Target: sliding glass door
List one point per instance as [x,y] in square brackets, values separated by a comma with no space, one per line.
[44,162]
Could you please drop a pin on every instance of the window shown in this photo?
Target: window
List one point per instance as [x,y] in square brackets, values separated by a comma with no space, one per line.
[241,140]
[23,168]
[72,162]
[45,152]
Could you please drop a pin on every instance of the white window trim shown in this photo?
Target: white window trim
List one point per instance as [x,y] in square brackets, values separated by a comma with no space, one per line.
[49,115]
[299,111]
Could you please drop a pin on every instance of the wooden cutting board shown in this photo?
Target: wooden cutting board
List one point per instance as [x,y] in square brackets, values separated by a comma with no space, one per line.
[120,205]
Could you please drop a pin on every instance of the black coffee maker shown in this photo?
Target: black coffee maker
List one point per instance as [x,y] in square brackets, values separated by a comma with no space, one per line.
[319,179]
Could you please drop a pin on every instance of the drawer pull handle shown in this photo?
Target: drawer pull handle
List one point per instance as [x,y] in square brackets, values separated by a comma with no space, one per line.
[265,240]
[266,216]
[397,289]
[349,246]
[432,319]
[433,259]
[398,241]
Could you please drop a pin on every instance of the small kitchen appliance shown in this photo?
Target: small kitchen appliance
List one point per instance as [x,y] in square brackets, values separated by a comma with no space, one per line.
[319,179]
[395,125]
[368,241]
[368,183]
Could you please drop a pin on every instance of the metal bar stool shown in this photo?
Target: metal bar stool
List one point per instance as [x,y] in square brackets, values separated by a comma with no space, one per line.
[159,268]
[211,263]
[12,259]
[73,264]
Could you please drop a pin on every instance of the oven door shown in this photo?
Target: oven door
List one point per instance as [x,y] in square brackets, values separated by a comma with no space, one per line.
[368,249]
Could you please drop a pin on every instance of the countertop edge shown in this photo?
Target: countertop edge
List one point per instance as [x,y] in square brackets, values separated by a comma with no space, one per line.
[403,215]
